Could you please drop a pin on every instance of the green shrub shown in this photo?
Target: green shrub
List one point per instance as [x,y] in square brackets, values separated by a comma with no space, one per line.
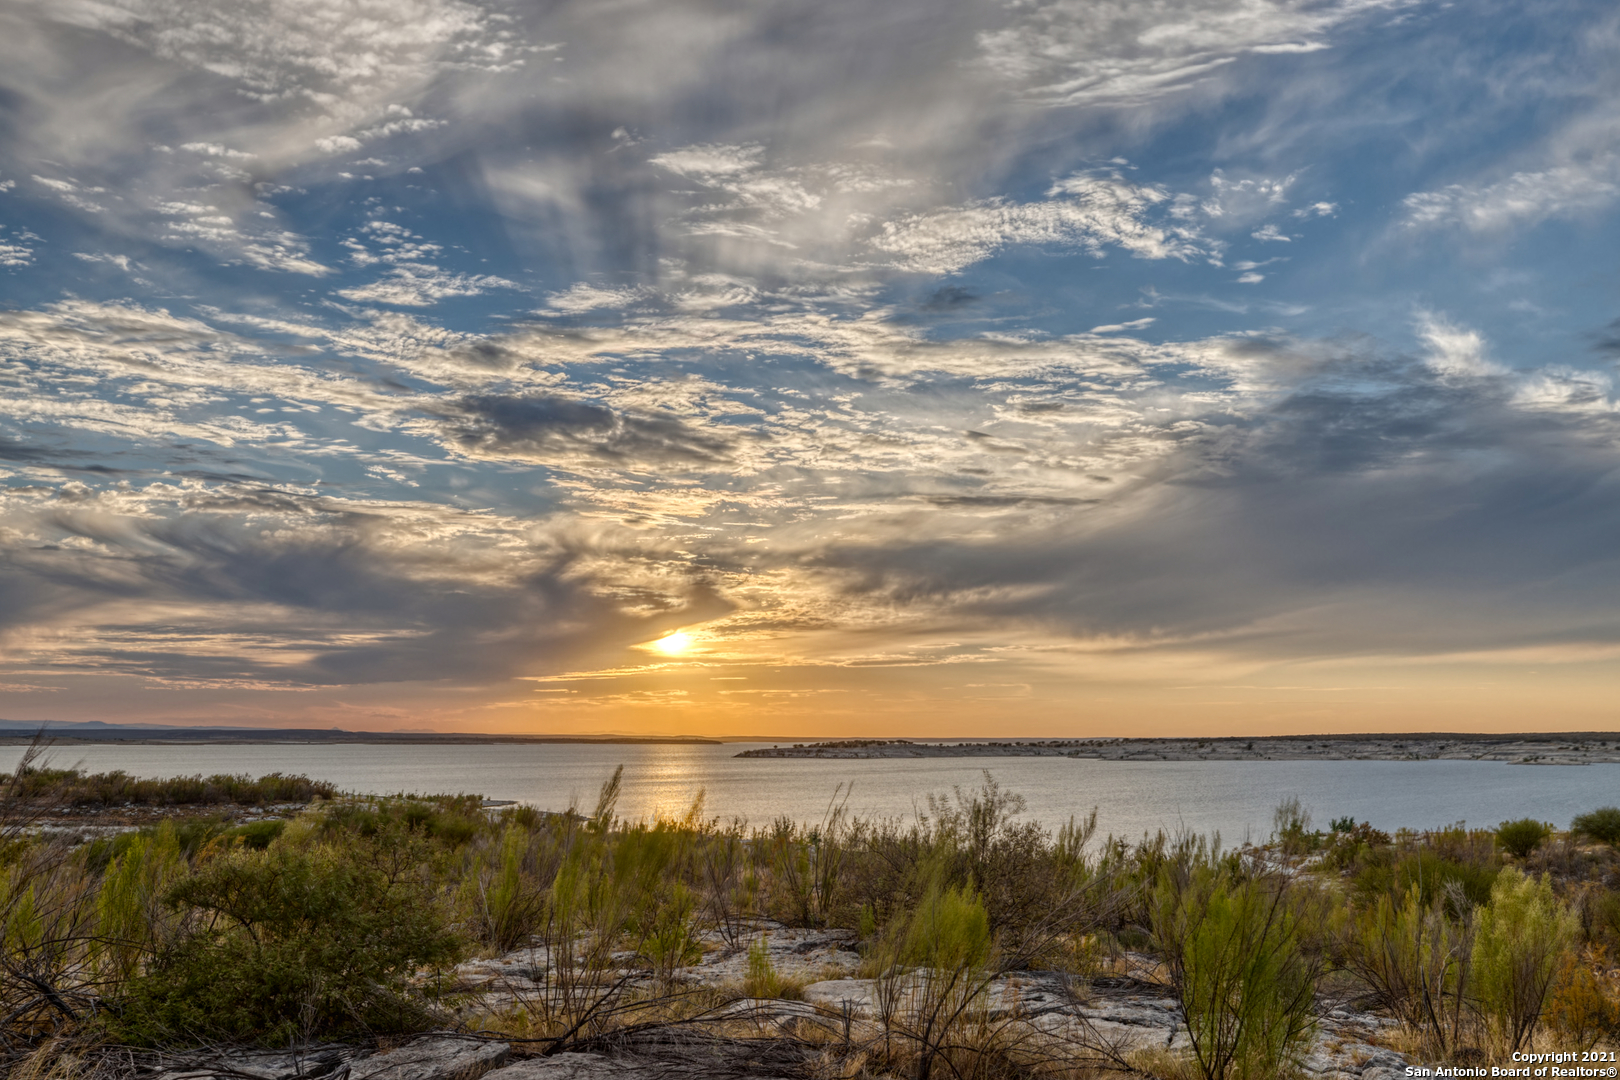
[671,939]
[950,929]
[1244,981]
[289,943]
[933,967]
[1392,873]
[130,900]
[258,834]
[1602,825]
[70,787]
[1291,827]
[1523,934]
[1413,959]
[1520,838]
[507,904]
[1584,1008]
[1349,843]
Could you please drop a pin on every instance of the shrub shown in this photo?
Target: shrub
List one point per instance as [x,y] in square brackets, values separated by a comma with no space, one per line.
[1291,827]
[289,943]
[1413,958]
[70,787]
[1523,935]
[1245,984]
[1602,824]
[507,904]
[258,834]
[46,986]
[130,900]
[1348,843]
[947,940]
[1520,838]
[1584,1007]
[671,940]
[1392,873]
[950,929]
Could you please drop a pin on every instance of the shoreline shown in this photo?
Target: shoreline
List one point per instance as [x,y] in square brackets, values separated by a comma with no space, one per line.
[1587,748]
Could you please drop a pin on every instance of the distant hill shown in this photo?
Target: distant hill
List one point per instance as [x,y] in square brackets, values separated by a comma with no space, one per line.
[100,731]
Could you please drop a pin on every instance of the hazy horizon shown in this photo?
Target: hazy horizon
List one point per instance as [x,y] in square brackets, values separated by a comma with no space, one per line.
[1195,368]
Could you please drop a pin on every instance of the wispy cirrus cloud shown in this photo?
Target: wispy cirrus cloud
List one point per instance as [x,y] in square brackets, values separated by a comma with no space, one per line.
[1071,52]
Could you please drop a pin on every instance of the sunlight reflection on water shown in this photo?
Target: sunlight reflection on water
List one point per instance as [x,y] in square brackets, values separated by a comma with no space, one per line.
[1234,797]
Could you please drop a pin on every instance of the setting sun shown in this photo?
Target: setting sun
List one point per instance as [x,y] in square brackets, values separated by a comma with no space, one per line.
[673,643]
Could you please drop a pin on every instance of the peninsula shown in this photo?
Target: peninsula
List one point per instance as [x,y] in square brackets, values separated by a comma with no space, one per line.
[1556,748]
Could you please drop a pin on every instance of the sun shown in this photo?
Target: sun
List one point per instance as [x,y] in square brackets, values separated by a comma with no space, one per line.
[673,643]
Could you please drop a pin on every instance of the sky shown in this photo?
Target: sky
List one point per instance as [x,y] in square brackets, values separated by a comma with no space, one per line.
[816,368]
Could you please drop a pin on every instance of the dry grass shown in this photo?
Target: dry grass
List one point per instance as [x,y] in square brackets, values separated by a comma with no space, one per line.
[1161,1064]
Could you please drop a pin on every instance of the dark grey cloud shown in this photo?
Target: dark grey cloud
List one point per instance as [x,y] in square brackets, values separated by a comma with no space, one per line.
[1377,507]
[549,429]
[11,450]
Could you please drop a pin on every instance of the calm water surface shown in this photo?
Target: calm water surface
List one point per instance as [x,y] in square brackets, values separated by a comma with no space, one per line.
[1234,797]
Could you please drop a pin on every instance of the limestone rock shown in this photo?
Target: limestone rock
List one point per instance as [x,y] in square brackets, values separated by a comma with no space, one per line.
[437,1058]
[565,1067]
[257,1064]
[837,994]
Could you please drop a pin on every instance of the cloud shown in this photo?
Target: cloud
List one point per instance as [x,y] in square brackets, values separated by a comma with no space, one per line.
[417,285]
[282,50]
[582,297]
[1071,52]
[1454,350]
[740,352]
[14,254]
[1250,496]
[238,237]
[1369,507]
[560,431]
[251,89]
[338,592]
[1090,212]
[1523,198]
[711,162]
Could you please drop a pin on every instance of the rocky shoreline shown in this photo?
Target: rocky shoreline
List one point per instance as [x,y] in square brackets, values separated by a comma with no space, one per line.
[1578,748]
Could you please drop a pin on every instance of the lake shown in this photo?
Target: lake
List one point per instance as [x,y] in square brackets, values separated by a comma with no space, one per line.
[1234,797]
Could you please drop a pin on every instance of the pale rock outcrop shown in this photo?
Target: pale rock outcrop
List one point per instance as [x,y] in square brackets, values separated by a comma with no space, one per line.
[434,1058]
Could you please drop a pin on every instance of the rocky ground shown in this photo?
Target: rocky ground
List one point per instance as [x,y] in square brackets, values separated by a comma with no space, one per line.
[1113,1016]
[1583,748]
